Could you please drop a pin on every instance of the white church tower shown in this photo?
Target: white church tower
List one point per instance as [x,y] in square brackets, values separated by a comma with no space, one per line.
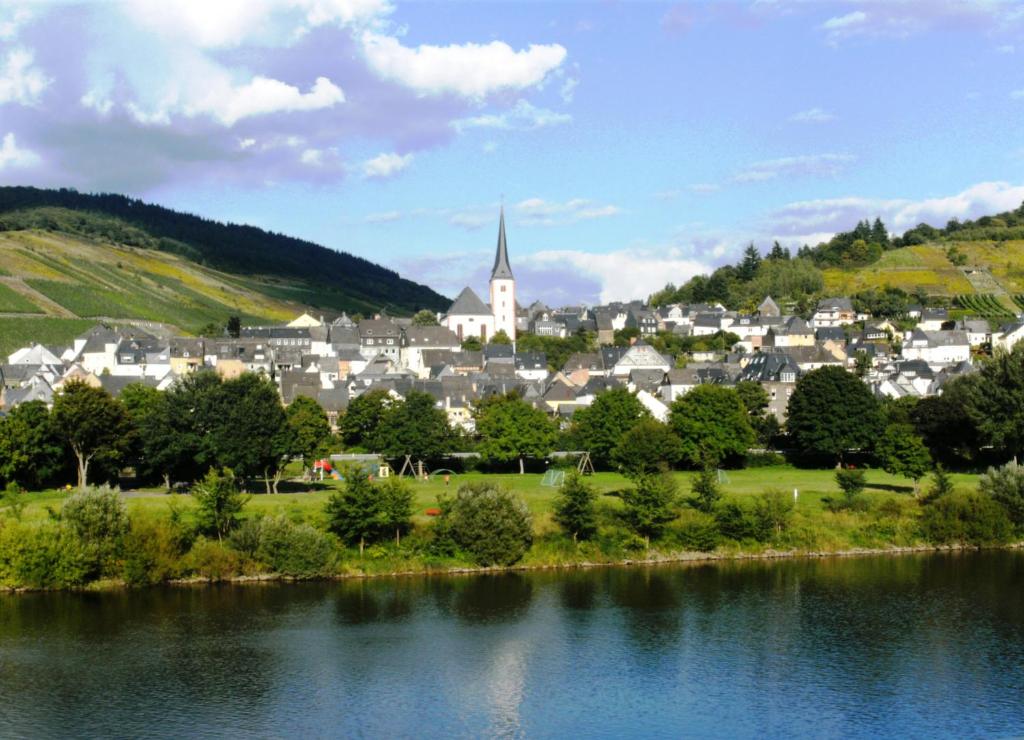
[503,287]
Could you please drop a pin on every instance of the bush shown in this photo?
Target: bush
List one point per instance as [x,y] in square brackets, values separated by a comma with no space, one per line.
[296,550]
[1005,486]
[41,557]
[699,532]
[219,502]
[773,511]
[736,522]
[763,459]
[706,492]
[851,482]
[151,554]
[968,518]
[574,507]
[489,523]
[650,505]
[213,560]
[98,519]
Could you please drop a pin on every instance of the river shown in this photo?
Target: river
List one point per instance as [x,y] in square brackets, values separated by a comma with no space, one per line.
[910,646]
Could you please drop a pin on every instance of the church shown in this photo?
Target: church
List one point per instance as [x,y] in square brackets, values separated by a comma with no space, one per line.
[469,316]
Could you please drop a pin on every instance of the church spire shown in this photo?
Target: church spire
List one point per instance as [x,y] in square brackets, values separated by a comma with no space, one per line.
[501,270]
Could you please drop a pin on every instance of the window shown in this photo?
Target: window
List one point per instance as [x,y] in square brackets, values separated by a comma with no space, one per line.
[503,290]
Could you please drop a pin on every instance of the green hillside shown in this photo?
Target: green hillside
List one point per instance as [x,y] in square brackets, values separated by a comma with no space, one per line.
[284,268]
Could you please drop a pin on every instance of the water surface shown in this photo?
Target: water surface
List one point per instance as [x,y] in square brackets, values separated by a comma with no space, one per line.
[912,646]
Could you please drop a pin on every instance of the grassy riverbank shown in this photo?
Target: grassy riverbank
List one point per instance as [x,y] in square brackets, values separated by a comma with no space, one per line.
[162,542]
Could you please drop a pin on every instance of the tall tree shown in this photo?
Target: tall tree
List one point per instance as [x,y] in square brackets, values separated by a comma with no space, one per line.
[358,426]
[511,429]
[748,266]
[575,507]
[648,447]
[901,452]
[31,450]
[396,507]
[711,421]
[355,513]
[650,504]
[994,402]
[831,412]
[310,428]
[414,427]
[92,423]
[245,435]
[218,502]
[140,401]
[597,428]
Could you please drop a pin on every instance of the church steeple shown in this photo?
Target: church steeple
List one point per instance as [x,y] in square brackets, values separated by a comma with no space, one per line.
[501,270]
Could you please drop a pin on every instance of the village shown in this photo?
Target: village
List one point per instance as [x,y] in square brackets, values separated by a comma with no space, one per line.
[471,352]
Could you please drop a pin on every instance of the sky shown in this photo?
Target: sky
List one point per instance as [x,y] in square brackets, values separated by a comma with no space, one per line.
[631,143]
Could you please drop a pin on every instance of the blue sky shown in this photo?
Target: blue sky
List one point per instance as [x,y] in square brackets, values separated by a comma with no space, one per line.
[631,143]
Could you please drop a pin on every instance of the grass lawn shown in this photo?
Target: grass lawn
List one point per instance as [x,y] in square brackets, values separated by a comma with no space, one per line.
[17,333]
[812,486]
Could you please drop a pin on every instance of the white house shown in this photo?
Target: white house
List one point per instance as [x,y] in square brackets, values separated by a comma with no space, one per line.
[937,347]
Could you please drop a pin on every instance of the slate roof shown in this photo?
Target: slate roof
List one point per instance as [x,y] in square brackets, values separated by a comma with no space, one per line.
[430,336]
[468,303]
[502,270]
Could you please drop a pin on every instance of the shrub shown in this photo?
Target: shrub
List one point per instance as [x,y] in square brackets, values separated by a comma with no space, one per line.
[1005,486]
[699,532]
[245,538]
[969,518]
[647,447]
[213,560]
[296,550]
[574,507]
[736,522]
[41,557]
[151,553]
[355,513]
[97,517]
[706,492]
[650,505]
[851,482]
[489,523]
[773,511]
[219,502]
[942,485]
[13,500]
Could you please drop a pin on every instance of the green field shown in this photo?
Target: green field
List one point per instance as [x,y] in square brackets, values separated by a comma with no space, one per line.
[12,301]
[16,333]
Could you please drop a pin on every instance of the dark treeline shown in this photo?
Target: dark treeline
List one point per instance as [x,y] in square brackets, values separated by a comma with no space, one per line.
[245,250]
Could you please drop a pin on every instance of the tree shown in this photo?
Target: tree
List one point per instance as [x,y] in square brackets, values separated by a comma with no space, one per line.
[472,344]
[98,519]
[650,504]
[234,326]
[646,448]
[245,434]
[1005,486]
[396,506]
[500,337]
[413,427]
[598,427]
[747,269]
[773,511]
[994,402]
[92,423]
[901,452]
[575,508]
[851,482]
[511,429]
[711,421]
[706,492]
[218,502]
[309,427]
[426,317]
[355,513]
[362,418]
[753,396]
[831,412]
[489,523]
[140,401]
[942,484]
[862,363]
[31,450]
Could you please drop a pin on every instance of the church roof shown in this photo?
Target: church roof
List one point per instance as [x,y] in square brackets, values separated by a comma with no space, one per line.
[501,270]
[468,304]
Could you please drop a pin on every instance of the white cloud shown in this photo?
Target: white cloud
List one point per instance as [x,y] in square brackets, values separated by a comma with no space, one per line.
[568,89]
[625,274]
[540,212]
[522,116]
[818,220]
[20,81]
[1017,94]
[843,22]
[804,165]
[471,220]
[812,115]
[12,156]
[386,165]
[1005,49]
[470,70]
[11,19]
[262,96]
[904,19]
[383,217]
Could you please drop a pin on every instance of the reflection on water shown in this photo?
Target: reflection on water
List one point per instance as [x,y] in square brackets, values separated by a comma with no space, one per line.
[919,646]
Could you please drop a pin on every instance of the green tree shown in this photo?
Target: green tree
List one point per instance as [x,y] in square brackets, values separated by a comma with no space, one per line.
[773,511]
[354,512]
[706,491]
[966,517]
[245,434]
[140,401]
[426,317]
[414,427]
[597,428]
[234,326]
[396,506]
[31,450]
[901,452]
[575,507]
[92,423]
[748,267]
[711,421]
[831,412]
[98,519]
[1005,486]
[218,502]
[311,431]
[472,344]
[511,429]
[646,448]
[852,483]
[358,427]
[500,337]
[994,402]
[942,484]
[650,504]
[488,522]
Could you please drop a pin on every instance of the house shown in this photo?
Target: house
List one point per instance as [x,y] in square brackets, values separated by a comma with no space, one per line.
[1007,336]
[833,312]
[937,347]
[680,381]
[769,307]
[640,356]
[34,354]
[305,321]
[705,324]
[932,319]
[186,355]
[543,325]
[794,332]
[644,320]
[232,357]
[531,365]
[417,339]
[380,337]
[977,330]
[581,366]
[777,372]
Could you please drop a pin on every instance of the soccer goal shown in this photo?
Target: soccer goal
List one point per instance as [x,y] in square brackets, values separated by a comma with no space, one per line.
[553,478]
[723,477]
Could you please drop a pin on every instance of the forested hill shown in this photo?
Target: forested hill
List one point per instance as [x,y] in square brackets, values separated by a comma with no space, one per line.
[327,279]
